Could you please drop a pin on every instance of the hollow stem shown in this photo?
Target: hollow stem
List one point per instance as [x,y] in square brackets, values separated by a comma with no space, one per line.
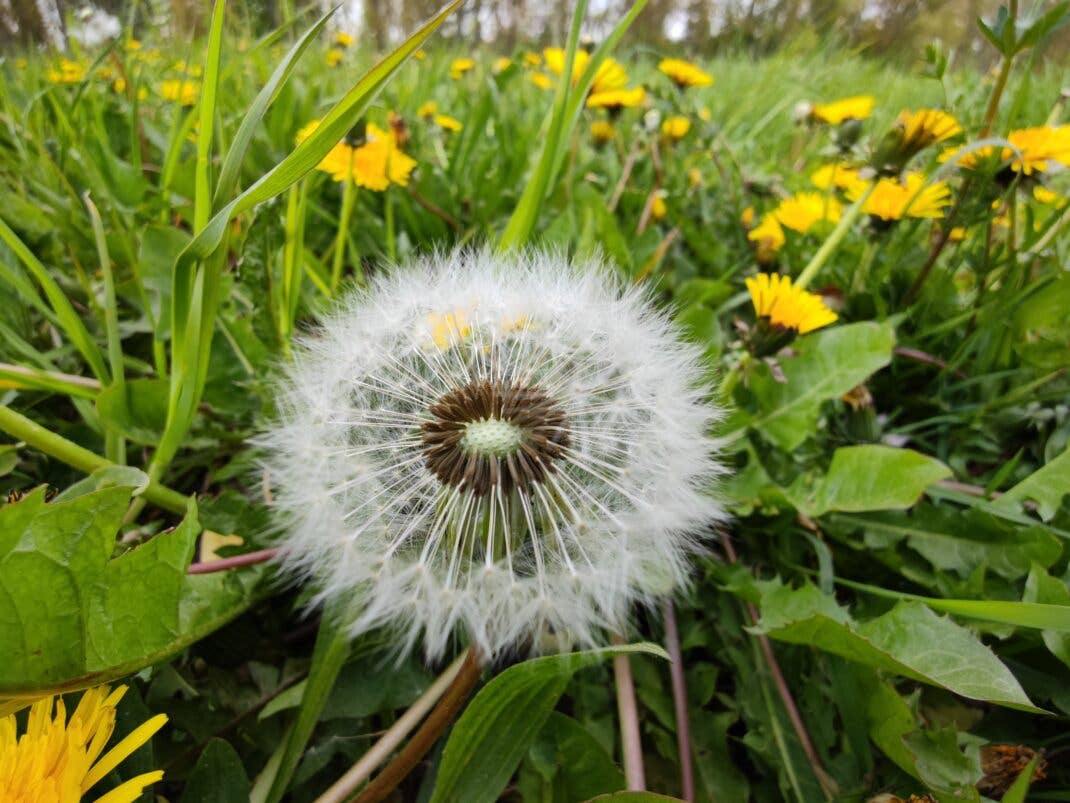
[19,426]
[628,711]
[457,680]
[349,194]
[679,698]
[825,251]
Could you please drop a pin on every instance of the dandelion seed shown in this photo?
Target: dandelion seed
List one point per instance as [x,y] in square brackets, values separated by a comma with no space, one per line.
[59,761]
[505,446]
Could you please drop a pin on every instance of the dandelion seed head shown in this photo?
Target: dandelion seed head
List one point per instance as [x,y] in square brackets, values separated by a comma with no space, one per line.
[507,446]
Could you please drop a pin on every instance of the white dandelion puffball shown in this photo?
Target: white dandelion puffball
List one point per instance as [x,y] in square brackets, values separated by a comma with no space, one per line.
[507,445]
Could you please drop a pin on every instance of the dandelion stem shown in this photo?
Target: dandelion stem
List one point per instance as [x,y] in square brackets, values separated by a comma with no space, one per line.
[827,782]
[349,192]
[452,686]
[628,711]
[44,440]
[833,240]
[679,698]
[234,562]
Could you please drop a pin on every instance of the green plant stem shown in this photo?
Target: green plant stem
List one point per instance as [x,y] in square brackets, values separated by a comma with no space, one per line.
[19,426]
[349,194]
[344,787]
[388,214]
[35,379]
[833,240]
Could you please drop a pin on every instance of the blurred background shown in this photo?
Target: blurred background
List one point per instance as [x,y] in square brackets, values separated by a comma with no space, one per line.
[886,29]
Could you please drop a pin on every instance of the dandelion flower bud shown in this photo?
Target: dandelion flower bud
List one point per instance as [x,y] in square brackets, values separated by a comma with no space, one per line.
[506,446]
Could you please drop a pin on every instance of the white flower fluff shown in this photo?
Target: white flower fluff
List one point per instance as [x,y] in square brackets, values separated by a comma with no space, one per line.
[510,445]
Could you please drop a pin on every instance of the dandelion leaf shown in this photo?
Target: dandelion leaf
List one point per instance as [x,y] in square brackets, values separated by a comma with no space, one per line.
[826,365]
[72,615]
[909,640]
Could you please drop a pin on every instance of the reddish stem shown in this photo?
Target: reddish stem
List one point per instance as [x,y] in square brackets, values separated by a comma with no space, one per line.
[236,562]
[679,698]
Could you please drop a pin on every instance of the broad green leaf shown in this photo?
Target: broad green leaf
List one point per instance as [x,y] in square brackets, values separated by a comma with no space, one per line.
[1046,486]
[160,246]
[9,457]
[136,409]
[714,769]
[909,640]
[960,540]
[567,763]
[218,777]
[72,616]
[499,725]
[942,765]
[826,365]
[871,477]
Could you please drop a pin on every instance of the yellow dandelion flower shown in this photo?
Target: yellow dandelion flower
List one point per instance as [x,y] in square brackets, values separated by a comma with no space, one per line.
[614,99]
[1039,147]
[542,80]
[786,306]
[767,236]
[1048,197]
[926,127]
[185,92]
[458,67]
[675,128]
[658,208]
[858,107]
[501,64]
[343,39]
[610,74]
[57,760]
[448,123]
[192,70]
[704,115]
[335,57]
[380,162]
[747,217]
[840,176]
[694,178]
[428,109]
[66,72]
[802,211]
[957,234]
[132,45]
[420,54]
[893,199]
[684,73]
[602,131]
[532,59]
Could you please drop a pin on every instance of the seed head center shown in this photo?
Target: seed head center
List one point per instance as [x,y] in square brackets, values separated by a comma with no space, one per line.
[492,436]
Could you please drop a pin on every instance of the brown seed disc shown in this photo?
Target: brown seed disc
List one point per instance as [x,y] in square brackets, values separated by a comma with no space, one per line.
[544,436]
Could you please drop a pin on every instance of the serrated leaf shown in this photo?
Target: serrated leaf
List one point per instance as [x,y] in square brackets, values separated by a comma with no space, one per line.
[826,365]
[871,477]
[910,640]
[1046,486]
[136,409]
[72,616]
[498,726]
